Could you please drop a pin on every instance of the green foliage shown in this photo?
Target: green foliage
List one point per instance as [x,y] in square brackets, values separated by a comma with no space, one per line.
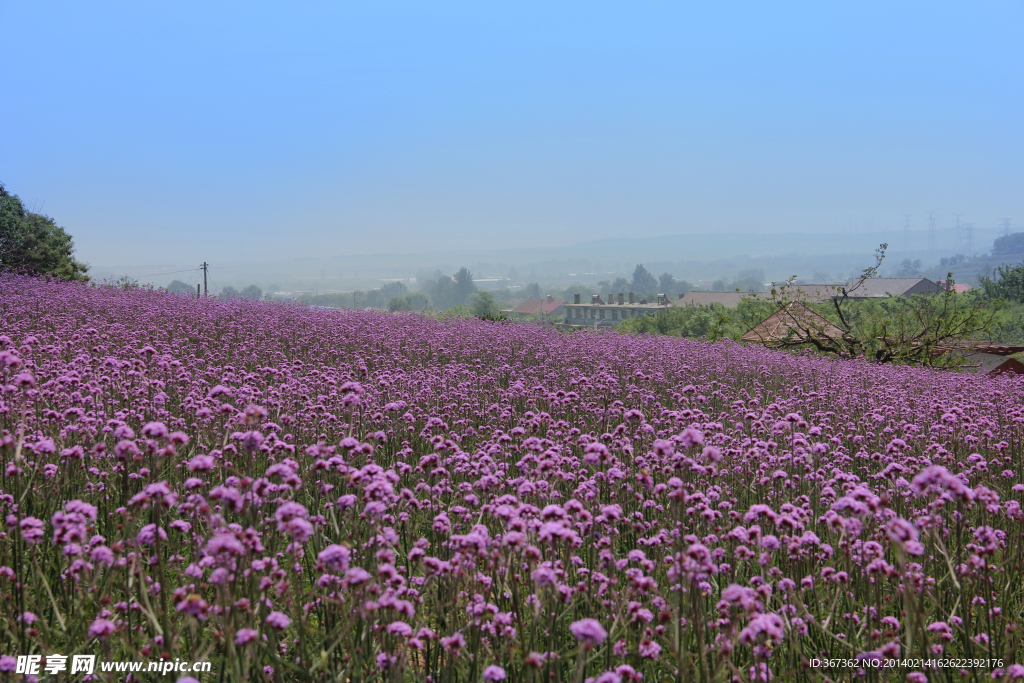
[643,281]
[484,305]
[695,322]
[1006,283]
[910,268]
[408,302]
[179,287]
[917,330]
[531,291]
[1009,244]
[33,243]
[251,292]
[448,292]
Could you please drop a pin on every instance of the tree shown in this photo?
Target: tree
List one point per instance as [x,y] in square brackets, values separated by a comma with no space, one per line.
[710,322]
[1009,244]
[751,280]
[229,292]
[33,243]
[643,281]
[179,287]
[909,268]
[532,291]
[1007,282]
[464,286]
[666,284]
[484,305]
[251,292]
[918,330]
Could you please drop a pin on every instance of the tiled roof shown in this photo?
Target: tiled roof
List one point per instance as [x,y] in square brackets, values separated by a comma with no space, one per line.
[895,286]
[534,306]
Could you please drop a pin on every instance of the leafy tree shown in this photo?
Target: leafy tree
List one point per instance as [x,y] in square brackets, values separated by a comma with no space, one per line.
[440,289]
[643,281]
[532,291]
[464,286]
[699,321]
[251,292]
[1007,282]
[229,292]
[947,261]
[917,330]
[909,268]
[33,243]
[666,284]
[179,287]
[1009,244]
[484,304]
[751,280]
[408,302]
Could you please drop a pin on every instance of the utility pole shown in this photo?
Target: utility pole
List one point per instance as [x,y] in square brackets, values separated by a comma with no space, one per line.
[197,292]
[206,290]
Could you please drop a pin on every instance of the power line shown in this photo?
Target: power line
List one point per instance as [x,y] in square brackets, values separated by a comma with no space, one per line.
[173,272]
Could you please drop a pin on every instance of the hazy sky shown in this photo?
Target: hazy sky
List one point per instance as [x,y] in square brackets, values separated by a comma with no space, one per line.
[176,132]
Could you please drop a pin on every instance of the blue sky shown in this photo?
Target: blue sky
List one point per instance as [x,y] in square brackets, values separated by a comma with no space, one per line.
[174,132]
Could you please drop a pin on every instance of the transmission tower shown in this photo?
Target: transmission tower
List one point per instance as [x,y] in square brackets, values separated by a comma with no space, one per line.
[906,231]
[968,229]
[1006,226]
[956,232]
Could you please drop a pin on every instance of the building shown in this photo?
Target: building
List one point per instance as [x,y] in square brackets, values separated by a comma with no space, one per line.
[794,323]
[958,288]
[727,299]
[880,287]
[545,308]
[991,364]
[597,313]
[812,293]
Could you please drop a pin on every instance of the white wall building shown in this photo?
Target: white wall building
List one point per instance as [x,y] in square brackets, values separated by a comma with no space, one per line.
[598,313]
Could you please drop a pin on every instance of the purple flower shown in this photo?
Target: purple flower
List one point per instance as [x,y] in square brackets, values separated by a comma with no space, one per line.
[335,557]
[32,530]
[494,673]
[278,620]
[246,635]
[588,631]
[399,628]
[101,628]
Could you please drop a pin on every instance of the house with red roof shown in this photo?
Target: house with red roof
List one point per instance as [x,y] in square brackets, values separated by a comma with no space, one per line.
[542,308]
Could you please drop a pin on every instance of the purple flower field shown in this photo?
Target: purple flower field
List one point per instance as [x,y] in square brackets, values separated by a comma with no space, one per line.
[307,495]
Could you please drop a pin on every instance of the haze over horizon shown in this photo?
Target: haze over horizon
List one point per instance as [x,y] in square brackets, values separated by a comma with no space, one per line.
[245,133]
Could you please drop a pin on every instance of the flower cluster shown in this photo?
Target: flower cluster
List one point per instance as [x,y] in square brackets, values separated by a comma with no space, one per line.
[323,495]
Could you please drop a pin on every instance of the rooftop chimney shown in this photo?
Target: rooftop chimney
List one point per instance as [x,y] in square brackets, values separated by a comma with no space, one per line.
[550,298]
[662,299]
[631,297]
[620,298]
[594,298]
[575,298]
